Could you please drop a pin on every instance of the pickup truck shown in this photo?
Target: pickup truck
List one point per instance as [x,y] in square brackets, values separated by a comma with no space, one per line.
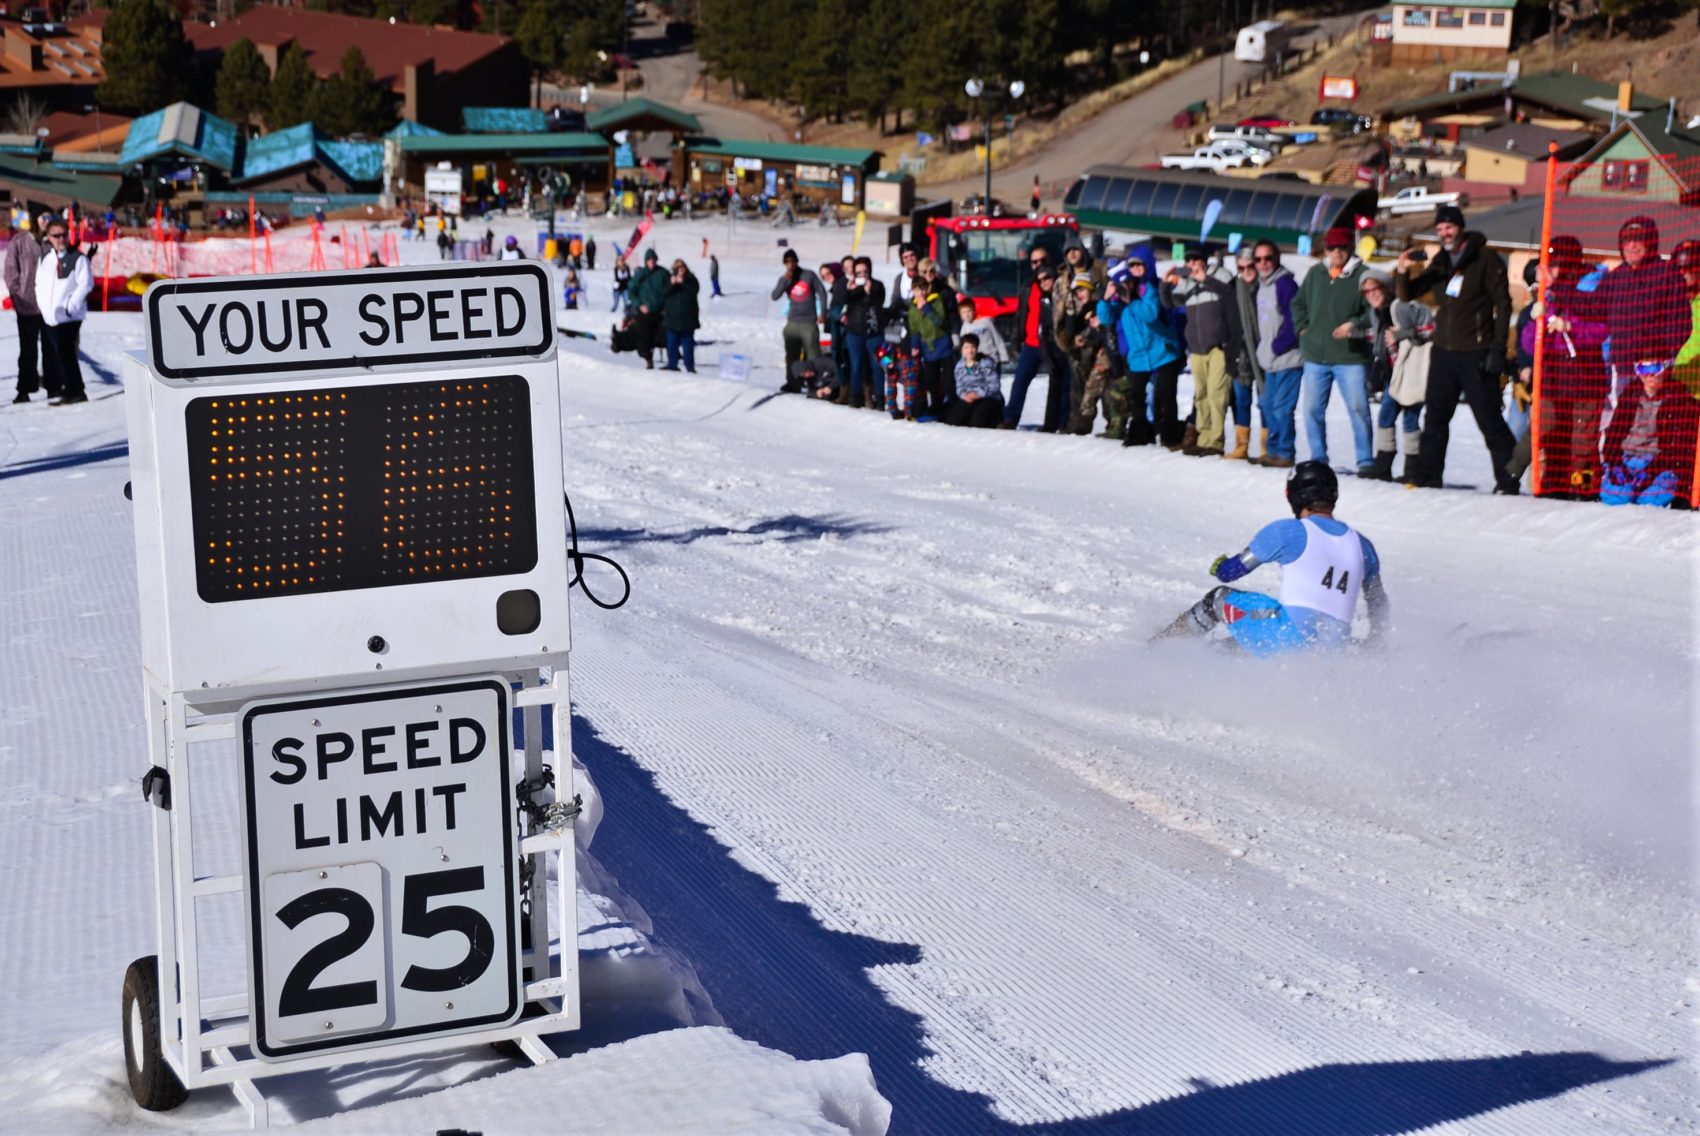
[1216,156]
[1257,138]
[1419,199]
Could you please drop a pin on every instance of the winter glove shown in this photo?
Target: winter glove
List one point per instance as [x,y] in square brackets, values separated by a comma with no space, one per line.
[1229,568]
[1520,395]
[1493,364]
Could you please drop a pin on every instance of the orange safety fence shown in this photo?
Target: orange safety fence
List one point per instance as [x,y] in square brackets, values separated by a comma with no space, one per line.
[1613,345]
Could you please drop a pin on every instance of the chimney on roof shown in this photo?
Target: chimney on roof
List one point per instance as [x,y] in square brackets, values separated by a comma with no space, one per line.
[1625,95]
[272,52]
[416,89]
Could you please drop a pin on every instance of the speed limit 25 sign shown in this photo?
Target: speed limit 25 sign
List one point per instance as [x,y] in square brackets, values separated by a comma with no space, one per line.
[381,874]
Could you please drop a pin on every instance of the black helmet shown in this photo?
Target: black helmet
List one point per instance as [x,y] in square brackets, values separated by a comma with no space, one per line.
[1312,483]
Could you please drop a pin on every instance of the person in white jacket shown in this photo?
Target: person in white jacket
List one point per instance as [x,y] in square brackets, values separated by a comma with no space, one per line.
[63,282]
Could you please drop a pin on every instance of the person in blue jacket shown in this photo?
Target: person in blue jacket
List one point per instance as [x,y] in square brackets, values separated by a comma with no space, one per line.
[1326,566]
[1151,348]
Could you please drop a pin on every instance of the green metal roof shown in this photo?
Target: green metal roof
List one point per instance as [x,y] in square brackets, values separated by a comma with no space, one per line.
[182,129]
[448,145]
[47,182]
[1506,5]
[504,120]
[1577,95]
[785,152]
[359,161]
[620,115]
[407,128]
[88,161]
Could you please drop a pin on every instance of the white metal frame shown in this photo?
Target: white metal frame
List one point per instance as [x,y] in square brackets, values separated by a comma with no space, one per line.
[203,662]
[206,1039]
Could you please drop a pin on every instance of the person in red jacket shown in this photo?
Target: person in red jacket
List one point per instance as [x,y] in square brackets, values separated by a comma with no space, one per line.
[1035,334]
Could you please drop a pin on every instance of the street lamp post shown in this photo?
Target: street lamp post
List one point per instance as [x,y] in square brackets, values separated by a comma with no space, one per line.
[1222,60]
[976,90]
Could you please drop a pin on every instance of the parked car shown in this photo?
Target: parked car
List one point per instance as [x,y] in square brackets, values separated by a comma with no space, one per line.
[1257,154]
[1419,199]
[1266,122]
[1251,135]
[1349,120]
[1216,156]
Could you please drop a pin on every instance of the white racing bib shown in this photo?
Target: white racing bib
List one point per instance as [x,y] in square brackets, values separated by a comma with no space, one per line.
[1328,575]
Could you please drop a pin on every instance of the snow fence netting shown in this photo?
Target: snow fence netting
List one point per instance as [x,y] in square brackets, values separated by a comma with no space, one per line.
[1614,347]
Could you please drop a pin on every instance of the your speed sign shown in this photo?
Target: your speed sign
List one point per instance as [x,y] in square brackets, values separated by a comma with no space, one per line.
[381,866]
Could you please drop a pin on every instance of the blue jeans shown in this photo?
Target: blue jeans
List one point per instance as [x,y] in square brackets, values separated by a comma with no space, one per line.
[1353,381]
[681,343]
[1027,365]
[1242,403]
[864,361]
[1280,399]
[1391,411]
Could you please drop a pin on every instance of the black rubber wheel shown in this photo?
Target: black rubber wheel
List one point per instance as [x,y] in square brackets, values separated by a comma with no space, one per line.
[153,1084]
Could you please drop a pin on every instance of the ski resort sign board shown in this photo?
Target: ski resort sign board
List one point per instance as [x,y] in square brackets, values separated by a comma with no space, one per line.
[253,326]
[342,474]
[387,809]
[352,566]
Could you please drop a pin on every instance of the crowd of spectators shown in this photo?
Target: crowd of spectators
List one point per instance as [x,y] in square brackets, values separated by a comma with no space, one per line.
[1620,396]
[1267,350]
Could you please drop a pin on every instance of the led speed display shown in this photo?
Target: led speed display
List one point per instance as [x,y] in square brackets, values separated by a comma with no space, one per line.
[339,488]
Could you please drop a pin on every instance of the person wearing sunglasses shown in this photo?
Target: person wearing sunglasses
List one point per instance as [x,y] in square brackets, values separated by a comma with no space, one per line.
[23,256]
[63,281]
[1278,355]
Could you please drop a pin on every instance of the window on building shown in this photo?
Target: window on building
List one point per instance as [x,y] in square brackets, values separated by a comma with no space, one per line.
[1092,193]
[1189,205]
[1448,18]
[1416,17]
[1140,199]
[1478,19]
[1625,177]
[1234,208]
[1115,195]
[1262,207]
[1498,19]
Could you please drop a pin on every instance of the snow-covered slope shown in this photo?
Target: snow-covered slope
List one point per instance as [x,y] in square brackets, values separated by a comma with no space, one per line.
[888,769]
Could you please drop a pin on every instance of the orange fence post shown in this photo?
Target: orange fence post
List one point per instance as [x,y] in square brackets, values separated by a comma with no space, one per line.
[1539,479]
[106,277]
[269,266]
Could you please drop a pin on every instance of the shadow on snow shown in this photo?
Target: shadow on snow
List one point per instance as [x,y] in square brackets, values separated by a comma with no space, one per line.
[783,530]
[778,978]
[110,452]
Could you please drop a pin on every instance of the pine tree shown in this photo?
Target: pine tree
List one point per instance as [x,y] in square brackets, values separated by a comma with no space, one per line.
[291,100]
[147,58]
[540,40]
[821,75]
[244,84]
[351,102]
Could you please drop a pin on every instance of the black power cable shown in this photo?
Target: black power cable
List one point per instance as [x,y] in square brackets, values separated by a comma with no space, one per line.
[578,558]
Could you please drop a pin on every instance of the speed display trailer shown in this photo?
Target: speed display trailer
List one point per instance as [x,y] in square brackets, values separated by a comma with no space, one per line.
[353,570]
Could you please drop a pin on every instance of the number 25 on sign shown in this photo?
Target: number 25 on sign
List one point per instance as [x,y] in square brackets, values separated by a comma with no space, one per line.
[380,866]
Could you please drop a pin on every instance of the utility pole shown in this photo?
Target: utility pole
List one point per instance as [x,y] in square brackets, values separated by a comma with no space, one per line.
[1222,60]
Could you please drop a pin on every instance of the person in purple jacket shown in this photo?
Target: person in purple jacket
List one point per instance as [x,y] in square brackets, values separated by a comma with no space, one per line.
[1278,355]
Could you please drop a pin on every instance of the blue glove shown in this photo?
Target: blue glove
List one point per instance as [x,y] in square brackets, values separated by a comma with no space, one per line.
[1228,568]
